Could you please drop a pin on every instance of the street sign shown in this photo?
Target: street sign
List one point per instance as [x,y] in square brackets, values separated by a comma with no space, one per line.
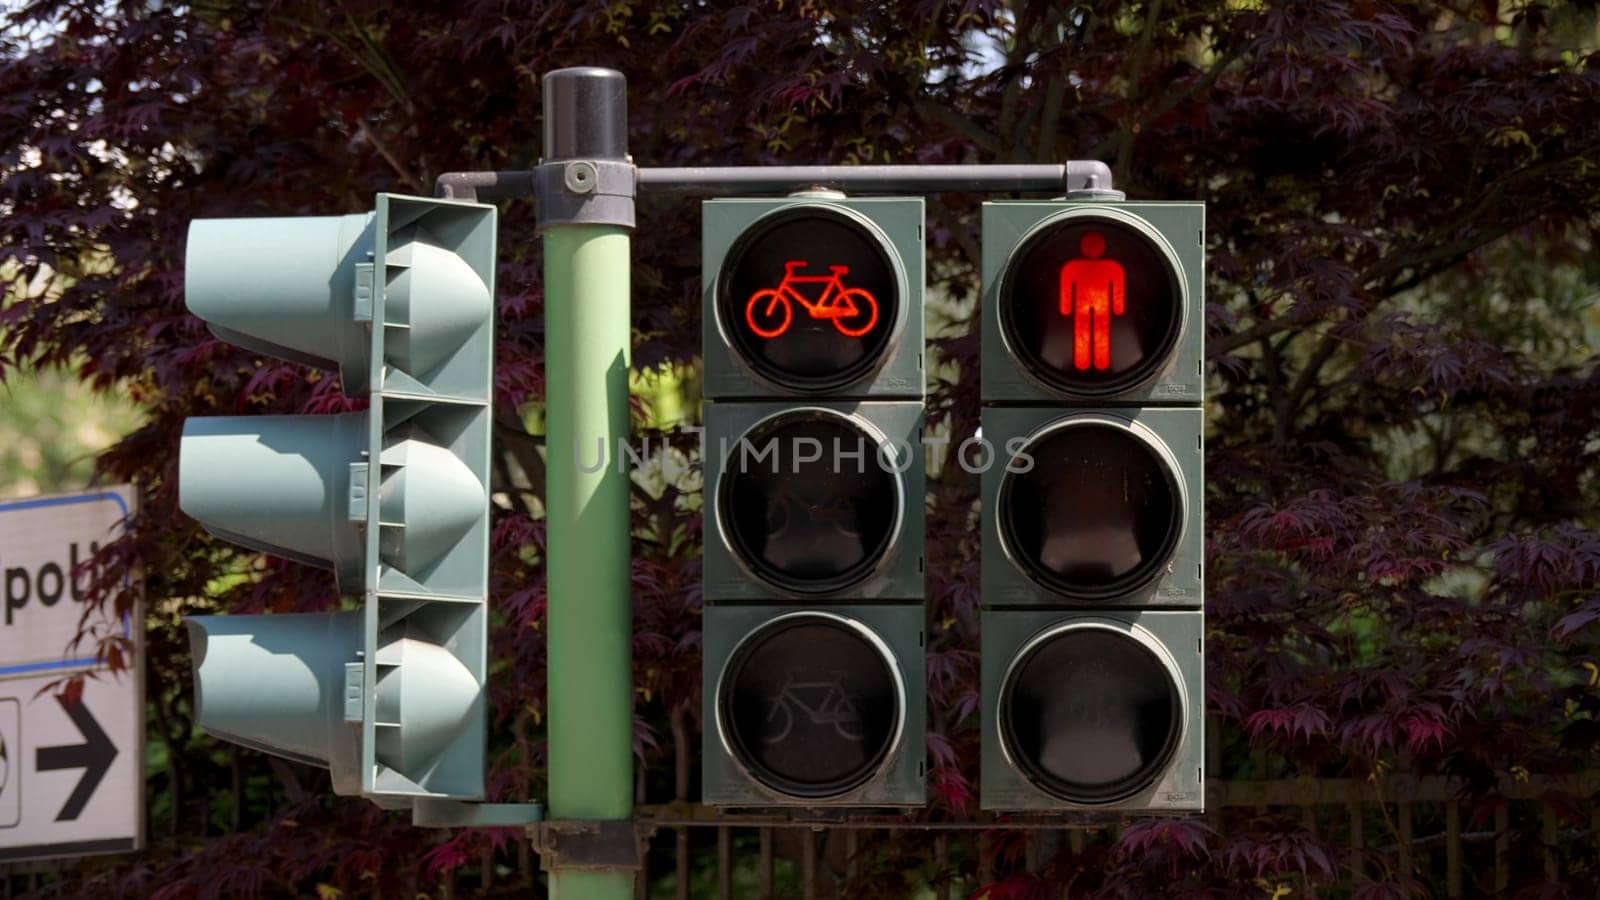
[71,774]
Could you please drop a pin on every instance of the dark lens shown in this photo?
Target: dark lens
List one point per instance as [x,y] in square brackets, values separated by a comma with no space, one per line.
[808,503]
[815,325]
[1090,307]
[1098,514]
[1090,715]
[811,706]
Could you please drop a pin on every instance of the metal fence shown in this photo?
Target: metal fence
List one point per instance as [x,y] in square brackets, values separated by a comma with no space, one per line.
[1414,824]
[1415,821]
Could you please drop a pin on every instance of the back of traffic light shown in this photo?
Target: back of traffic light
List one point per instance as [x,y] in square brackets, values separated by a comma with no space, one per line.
[1093,521]
[394,498]
[812,656]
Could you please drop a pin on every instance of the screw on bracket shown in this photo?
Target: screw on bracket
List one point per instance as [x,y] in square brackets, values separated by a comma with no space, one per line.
[580,176]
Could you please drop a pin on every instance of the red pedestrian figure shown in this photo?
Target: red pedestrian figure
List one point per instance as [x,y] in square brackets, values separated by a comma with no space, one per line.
[1093,289]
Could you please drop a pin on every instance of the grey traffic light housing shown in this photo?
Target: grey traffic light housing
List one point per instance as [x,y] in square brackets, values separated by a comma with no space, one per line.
[812,331]
[896,779]
[1173,439]
[1175,233]
[1173,637]
[893,445]
[1092,514]
[394,499]
[893,225]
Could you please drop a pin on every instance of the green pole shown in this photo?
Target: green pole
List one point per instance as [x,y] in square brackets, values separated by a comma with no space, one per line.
[590,629]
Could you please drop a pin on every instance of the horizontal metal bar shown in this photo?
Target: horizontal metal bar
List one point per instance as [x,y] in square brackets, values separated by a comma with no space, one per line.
[684,814]
[442,812]
[1078,175]
[1302,792]
[485,187]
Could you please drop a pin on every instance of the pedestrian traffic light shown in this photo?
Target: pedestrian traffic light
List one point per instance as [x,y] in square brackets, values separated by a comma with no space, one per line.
[813,660]
[394,499]
[1093,521]
[1093,301]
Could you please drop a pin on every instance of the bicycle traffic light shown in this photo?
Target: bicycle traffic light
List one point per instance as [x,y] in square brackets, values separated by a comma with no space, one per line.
[394,499]
[813,665]
[1093,523]
[812,298]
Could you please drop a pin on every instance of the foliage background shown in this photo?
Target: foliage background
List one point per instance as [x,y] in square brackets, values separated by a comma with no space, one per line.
[1404,403]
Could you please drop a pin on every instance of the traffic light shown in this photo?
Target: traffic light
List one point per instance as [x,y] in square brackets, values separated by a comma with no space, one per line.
[394,499]
[813,634]
[1093,524]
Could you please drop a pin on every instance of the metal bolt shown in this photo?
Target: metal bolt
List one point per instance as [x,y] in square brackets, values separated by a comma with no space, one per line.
[580,176]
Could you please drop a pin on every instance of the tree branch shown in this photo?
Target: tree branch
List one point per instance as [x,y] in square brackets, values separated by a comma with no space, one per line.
[400,169]
[1308,376]
[1055,93]
[1273,365]
[962,125]
[1141,57]
[1174,101]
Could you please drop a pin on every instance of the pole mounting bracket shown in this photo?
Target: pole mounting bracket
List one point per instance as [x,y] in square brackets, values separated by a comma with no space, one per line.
[585,192]
[590,843]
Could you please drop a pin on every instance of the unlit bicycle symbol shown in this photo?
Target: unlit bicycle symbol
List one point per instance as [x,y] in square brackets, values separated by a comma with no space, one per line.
[822,702]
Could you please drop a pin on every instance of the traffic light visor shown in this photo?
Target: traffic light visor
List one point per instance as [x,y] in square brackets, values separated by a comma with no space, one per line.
[293,486]
[286,287]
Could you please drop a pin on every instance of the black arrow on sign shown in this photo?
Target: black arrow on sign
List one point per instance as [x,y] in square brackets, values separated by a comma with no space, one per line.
[93,756]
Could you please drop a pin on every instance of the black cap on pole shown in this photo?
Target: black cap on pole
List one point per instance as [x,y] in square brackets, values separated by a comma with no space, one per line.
[585,114]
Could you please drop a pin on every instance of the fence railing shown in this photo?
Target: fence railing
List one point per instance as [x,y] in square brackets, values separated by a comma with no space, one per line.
[1414,823]
[1409,819]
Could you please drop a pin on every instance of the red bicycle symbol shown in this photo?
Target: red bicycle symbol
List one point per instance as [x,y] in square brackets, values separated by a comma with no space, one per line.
[854,311]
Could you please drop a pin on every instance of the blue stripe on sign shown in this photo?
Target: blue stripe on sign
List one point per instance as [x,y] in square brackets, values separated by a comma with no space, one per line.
[127,624]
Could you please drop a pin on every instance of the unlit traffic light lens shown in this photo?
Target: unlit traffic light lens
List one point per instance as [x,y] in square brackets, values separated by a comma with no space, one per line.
[1090,715]
[1090,306]
[810,706]
[809,299]
[1097,515]
[806,502]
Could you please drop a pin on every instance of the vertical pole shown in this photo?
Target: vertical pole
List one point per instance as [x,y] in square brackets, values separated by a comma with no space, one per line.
[764,868]
[1502,848]
[1404,824]
[724,863]
[1358,843]
[1452,848]
[586,281]
[808,864]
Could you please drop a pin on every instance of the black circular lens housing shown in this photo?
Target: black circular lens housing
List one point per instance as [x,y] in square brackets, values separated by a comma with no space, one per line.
[817,326]
[811,705]
[1090,305]
[1097,515]
[1090,715]
[806,502]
